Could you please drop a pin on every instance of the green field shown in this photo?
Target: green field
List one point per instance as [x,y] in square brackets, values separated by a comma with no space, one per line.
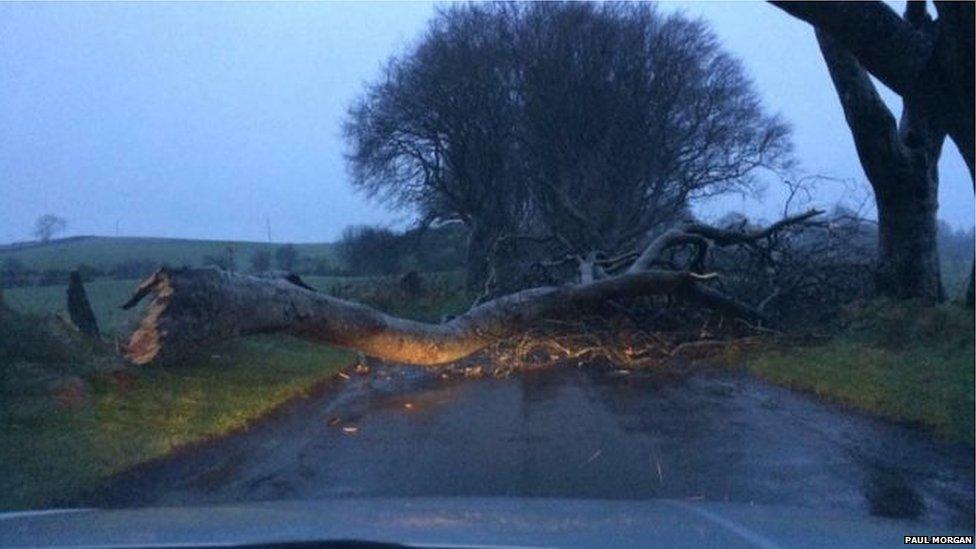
[445,296]
[106,252]
[105,296]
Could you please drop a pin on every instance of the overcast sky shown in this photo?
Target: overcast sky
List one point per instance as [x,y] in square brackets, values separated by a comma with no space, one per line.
[207,120]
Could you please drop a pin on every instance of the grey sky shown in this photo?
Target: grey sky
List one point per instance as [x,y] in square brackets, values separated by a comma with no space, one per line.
[203,120]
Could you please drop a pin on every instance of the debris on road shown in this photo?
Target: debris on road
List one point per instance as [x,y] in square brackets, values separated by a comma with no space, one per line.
[592,458]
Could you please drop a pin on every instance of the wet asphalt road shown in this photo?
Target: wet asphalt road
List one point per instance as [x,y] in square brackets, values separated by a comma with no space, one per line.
[571,433]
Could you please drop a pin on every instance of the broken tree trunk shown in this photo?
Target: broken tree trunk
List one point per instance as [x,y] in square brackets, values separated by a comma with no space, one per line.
[196,307]
[192,308]
[79,309]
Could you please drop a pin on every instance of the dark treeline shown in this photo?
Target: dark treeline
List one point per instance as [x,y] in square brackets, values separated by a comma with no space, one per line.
[370,250]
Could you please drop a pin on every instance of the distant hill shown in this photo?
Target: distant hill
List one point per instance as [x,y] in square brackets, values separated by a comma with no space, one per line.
[104,253]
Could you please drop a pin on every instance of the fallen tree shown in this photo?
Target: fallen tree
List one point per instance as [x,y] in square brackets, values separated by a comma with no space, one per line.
[192,308]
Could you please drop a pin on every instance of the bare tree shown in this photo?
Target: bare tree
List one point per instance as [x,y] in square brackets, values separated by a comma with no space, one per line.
[49,225]
[579,123]
[435,133]
[627,115]
[929,63]
[901,162]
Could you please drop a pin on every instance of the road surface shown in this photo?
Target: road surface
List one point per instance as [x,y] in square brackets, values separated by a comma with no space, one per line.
[716,436]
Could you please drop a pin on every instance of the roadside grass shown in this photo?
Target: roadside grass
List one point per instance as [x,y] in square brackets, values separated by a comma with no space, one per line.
[107,421]
[73,415]
[903,361]
[103,252]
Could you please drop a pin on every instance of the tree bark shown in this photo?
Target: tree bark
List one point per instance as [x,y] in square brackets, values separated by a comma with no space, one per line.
[901,164]
[908,247]
[926,62]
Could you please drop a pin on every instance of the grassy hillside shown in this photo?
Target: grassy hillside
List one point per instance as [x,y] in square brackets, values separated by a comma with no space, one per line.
[106,252]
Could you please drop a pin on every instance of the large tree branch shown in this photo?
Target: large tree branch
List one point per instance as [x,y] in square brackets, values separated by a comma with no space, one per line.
[887,46]
[929,64]
[701,236]
[955,57]
[192,308]
[728,237]
[872,125]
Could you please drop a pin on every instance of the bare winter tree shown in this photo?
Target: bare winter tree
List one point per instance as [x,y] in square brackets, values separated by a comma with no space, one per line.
[583,124]
[436,133]
[929,63]
[49,225]
[627,115]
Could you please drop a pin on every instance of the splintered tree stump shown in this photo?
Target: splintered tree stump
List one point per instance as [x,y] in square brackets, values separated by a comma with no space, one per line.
[79,309]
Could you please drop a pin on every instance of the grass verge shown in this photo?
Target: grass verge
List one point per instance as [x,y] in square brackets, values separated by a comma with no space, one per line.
[71,417]
[906,361]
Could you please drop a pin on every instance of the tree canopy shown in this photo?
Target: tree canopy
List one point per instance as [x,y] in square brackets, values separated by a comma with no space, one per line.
[584,124]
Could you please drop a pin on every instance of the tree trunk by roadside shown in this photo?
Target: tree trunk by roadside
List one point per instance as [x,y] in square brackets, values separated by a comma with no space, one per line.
[79,309]
[900,160]
[929,63]
[908,248]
